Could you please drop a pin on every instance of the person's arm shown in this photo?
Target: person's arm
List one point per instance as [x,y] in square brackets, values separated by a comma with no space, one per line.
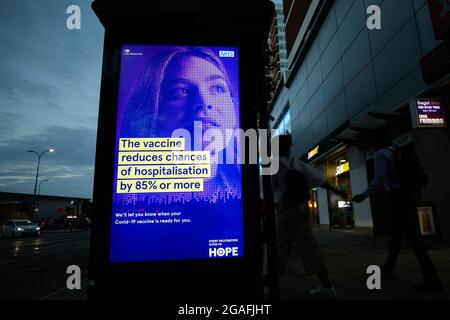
[316,178]
[329,187]
[381,170]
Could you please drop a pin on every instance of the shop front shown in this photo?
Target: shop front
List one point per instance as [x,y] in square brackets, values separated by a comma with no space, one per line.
[327,208]
[313,207]
[337,169]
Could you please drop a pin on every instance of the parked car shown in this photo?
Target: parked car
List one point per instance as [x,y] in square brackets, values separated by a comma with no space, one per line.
[17,228]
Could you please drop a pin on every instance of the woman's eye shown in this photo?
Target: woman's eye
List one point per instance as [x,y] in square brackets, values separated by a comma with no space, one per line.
[179,92]
[218,88]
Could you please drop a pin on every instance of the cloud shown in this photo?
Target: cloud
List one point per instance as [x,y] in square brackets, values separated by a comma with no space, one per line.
[75,146]
[87,120]
[24,94]
[49,84]
[17,88]
[9,122]
[72,56]
[62,180]
[70,168]
[53,69]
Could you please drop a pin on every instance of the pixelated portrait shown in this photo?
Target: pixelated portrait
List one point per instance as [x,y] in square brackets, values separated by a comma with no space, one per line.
[175,197]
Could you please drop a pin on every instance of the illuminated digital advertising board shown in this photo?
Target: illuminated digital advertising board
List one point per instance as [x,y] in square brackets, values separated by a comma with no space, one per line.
[177,192]
[427,113]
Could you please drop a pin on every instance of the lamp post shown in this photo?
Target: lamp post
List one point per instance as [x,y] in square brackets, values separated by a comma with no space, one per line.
[38,194]
[40,183]
[39,155]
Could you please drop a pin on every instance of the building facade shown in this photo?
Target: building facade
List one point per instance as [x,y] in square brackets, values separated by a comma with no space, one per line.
[345,81]
[279,11]
[20,206]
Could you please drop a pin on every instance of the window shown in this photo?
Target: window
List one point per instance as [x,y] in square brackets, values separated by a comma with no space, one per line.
[285,124]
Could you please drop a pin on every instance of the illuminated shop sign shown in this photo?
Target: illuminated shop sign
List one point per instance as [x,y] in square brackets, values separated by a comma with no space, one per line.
[342,168]
[171,199]
[344,204]
[314,152]
[426,220]
[427,113]
[312,204]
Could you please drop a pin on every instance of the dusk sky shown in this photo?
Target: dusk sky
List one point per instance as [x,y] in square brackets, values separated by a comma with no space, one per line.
[49,93]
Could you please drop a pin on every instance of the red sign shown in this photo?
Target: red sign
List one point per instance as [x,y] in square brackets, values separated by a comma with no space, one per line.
[440,15]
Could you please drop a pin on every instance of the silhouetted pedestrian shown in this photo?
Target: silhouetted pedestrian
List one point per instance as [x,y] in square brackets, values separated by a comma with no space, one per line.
[401,177]
[291,185]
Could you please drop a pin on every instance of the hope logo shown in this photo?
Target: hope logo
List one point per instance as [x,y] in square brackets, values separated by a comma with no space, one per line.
[223,252]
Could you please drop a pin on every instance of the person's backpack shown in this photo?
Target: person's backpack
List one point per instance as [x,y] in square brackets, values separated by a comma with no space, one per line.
[409,172]
[297,187]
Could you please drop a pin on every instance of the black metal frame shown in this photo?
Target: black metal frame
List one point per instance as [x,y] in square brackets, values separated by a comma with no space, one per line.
[189,279]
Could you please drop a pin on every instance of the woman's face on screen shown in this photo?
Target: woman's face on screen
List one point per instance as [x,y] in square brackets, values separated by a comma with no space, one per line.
[194,89]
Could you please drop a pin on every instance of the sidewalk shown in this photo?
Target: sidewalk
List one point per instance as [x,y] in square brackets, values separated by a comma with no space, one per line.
[66,294]
[348,255]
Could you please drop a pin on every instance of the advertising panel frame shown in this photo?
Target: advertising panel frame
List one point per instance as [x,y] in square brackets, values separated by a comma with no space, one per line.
[205,221]
[193,279]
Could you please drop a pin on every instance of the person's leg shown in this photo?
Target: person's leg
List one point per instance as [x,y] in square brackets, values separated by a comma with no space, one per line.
[309,250]
[324,279]
[431,282]
[397,233]
[311,256]
[285,231]
[395,244]
[413,237]
[283,249]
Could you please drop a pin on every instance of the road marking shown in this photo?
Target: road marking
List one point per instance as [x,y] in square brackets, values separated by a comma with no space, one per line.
[8,262]
[60,290]
[30,244]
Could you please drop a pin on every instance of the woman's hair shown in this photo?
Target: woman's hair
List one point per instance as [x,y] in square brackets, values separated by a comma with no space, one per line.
[139,117]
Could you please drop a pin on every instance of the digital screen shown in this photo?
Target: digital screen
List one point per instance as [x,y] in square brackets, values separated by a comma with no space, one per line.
[430,113]
[177,183]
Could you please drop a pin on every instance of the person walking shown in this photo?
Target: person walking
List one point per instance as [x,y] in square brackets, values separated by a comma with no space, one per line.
[291,185]
[402,178]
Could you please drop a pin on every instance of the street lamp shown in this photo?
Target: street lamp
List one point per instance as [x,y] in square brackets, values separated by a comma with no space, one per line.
[39,155]
[40,183]
[39,192]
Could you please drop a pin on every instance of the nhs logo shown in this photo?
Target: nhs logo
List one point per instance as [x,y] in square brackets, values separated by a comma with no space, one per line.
[226,54]
[223,252]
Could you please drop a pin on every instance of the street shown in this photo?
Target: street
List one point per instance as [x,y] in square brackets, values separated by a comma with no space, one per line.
[35,268]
